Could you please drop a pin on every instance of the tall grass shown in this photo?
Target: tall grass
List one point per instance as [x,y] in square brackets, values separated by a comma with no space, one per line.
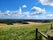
[21,31]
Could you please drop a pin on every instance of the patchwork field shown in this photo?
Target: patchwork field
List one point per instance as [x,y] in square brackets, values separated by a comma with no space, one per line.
[19,31]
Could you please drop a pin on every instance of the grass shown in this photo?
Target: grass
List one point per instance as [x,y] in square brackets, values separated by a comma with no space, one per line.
[21,31]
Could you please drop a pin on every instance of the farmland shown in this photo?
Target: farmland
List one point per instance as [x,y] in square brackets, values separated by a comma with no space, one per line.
[19,31]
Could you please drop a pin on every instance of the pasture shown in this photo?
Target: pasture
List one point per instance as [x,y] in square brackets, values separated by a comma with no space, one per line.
[19,31]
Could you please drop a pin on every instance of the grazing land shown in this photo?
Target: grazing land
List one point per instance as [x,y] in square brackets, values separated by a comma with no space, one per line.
[19,31]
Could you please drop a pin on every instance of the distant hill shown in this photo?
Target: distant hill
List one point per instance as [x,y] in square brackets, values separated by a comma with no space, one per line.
[24,21]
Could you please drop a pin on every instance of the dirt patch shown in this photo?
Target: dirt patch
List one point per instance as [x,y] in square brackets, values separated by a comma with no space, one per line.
[34,23]
[2,24]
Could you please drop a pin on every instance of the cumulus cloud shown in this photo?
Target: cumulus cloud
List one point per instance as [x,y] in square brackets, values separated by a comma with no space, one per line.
[19,14]
[46,2]
[24,6]
[37,10]
[11,13]
[49,15]
[23,15]
[26,14]
[0,13]
[7,13]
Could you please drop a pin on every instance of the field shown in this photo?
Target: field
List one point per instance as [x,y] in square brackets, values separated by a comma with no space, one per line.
[19,31]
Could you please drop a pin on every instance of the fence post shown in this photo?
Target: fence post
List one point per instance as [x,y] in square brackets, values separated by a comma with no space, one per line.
[36,34]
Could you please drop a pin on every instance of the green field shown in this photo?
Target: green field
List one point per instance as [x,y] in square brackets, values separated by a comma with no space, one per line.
[22,31]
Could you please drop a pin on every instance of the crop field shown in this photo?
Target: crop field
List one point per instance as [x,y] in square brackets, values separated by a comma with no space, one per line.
[19,31]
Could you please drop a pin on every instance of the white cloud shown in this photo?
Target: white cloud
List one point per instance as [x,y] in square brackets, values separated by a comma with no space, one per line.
[20,10]
[23,15]
[46,2]
[37,10]
[13,13]
[49,15]
[26,14]
[7,12]
[24,6]
[0,13]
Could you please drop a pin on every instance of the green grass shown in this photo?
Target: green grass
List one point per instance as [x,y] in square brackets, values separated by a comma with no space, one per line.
[21,31]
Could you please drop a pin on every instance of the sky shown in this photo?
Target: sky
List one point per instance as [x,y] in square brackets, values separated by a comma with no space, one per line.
[26,9]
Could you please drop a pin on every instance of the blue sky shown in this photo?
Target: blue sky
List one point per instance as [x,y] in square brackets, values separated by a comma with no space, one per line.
[26,9]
